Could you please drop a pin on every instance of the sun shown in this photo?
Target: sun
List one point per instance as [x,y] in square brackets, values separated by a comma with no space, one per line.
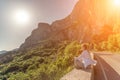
[22,16]
[117,3]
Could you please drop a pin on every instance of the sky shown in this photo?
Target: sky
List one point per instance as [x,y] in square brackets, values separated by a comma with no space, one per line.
[14,33]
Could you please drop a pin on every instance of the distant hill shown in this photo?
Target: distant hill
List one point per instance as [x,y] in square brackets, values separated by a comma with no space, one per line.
[3,51]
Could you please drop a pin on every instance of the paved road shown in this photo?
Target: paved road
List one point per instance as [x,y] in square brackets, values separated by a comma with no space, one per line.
[108,67]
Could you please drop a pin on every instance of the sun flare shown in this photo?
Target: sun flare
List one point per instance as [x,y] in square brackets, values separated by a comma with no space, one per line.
[117,3]
[21,16]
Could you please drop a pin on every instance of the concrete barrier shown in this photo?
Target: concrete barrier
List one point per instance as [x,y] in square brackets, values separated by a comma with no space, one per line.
[80,74]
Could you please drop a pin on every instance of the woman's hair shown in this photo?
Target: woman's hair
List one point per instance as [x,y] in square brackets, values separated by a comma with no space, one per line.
[85,46]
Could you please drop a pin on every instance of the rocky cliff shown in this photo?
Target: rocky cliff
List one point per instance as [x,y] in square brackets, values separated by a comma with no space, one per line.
[80,25]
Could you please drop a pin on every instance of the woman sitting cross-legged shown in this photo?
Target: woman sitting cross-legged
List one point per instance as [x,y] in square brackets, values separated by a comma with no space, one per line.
[84,60]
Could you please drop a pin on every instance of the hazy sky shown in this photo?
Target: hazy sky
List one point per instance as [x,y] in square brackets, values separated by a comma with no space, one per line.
[12,34]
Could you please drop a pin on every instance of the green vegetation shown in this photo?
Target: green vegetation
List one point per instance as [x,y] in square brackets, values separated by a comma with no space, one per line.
[41,63]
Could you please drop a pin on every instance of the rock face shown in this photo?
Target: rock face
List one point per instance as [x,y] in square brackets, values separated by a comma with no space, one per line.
[80,25]
[41,33]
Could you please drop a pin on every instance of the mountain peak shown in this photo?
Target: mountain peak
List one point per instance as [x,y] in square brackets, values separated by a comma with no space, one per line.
[80,25]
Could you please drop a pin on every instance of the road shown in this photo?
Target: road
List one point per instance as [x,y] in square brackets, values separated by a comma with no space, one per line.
[108,66]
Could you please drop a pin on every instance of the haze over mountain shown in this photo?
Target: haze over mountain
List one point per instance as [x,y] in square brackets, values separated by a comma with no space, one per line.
[84,21]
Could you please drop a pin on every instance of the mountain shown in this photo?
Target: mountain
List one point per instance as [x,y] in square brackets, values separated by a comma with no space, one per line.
[80,25]
[4,51]
[41,33]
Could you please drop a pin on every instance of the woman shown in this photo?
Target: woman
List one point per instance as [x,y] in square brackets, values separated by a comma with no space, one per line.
[84,60]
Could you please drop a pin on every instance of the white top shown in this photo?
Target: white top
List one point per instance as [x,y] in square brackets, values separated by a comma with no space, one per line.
[86,59]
